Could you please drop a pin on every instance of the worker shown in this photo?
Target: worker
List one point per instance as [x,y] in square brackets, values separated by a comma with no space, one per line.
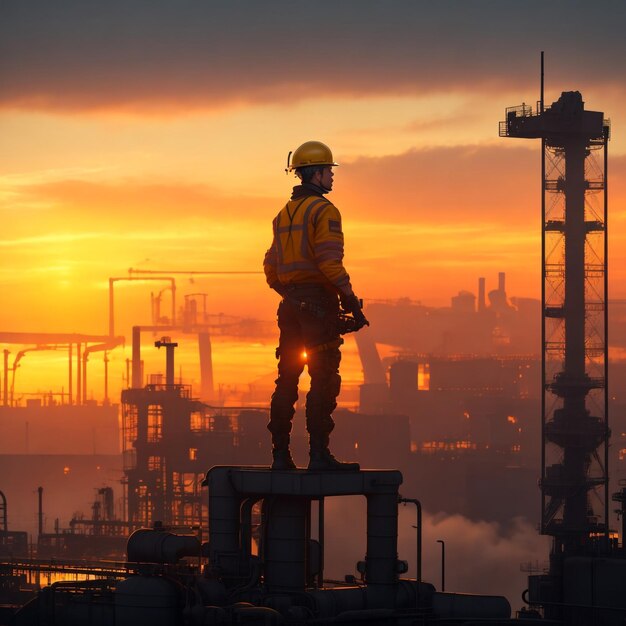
[304,265]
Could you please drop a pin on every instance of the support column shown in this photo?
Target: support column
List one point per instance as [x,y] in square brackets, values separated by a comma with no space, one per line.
[70,375]
[381,560]
[78,374]
[5,389]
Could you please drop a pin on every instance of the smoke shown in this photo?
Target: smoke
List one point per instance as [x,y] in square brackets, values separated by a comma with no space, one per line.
[481,557]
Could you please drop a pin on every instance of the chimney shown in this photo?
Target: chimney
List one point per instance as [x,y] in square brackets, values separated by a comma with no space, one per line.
[481,295]
[501,277]
[137,376]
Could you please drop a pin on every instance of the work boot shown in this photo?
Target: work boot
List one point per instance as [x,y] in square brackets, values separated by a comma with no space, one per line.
[282,459]
[321,459]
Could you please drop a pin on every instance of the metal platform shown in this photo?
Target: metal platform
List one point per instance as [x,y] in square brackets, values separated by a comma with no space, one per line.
[262,481]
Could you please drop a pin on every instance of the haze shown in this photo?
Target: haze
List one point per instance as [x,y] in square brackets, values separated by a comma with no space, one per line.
[155,136]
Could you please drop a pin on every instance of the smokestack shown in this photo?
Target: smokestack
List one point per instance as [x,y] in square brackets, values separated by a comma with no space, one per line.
[169,346]
[136,369]
[481,295]
[169,366]
[501,278]
[206,365]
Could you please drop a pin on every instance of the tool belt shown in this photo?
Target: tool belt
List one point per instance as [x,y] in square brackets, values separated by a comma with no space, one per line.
[331,345]
[312,299]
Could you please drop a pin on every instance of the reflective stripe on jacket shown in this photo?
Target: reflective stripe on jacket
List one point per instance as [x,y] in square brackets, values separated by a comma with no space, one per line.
[307,245]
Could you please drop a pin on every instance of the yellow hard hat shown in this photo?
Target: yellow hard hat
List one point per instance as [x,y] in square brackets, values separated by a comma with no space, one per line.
[311,153]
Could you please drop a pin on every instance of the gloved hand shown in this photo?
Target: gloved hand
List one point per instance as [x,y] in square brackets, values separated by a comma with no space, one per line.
[351,304]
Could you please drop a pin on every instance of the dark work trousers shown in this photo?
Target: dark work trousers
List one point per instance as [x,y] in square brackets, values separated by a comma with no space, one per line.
[302,330]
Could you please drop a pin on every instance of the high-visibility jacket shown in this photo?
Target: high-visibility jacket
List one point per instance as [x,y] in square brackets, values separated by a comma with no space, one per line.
[308,245]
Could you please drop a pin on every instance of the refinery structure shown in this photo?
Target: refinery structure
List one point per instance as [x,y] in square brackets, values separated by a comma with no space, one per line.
[207,534]
[575,351]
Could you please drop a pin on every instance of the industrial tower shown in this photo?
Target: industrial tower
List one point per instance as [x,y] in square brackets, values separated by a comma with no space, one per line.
[575,428]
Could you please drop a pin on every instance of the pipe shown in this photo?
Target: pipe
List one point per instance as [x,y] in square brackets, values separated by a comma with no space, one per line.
[78,374]
[336,603]
[70,374]
[18,357]
[467,607]
[111,308]
[543,328]
[607,430]
[173,302]
[85,359]
[156,546]
[5,396]
[331,601]
[256,615]
[106,378]
[169,365]
[443,564]
[418,508]
[246,525]
[3,502]
[132,271]
[100,347]
[112,282]
[620,497]
[253,580]
[541,103]
[320,538]
[40,515]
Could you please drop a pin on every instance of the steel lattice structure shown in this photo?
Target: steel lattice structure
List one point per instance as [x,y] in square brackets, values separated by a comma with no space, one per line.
[575,425]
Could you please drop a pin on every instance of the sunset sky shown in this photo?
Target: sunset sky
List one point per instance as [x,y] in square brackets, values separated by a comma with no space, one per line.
[154,135]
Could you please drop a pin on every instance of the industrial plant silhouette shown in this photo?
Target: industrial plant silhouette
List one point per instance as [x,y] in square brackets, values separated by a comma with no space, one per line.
[460,415]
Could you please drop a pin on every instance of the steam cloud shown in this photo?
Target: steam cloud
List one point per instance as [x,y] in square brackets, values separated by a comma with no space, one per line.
[481,557]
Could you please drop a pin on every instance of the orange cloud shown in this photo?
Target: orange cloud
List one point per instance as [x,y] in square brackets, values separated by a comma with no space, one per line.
[446,186]
[424,224]
[136,201]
